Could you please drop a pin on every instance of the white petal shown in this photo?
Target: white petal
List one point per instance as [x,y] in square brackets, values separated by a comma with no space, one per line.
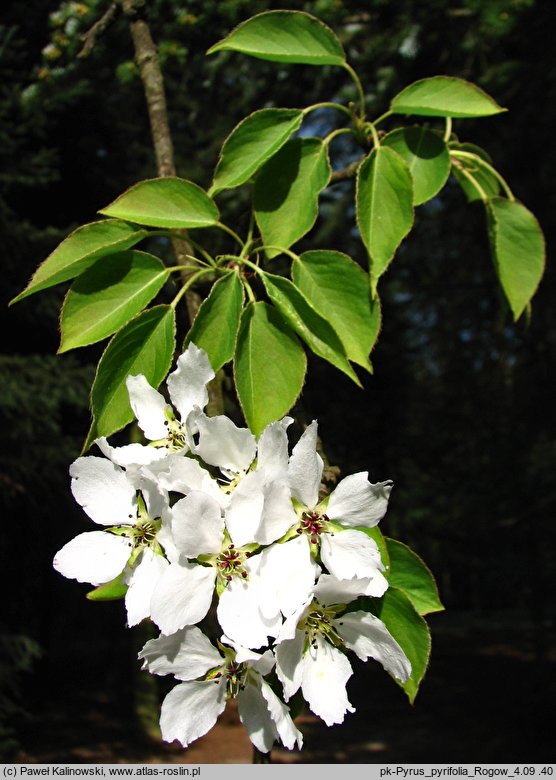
[130,454]
[191,709]
[261,662]
[305,468]
[240,617]
[351,554]
[104,491]
[355,501]
[243,516]
[272,452]
[148,406]
[144,578]
[326,671]
[182,596]
[289,663]
[96,557]
[289,626]
[278,514]
[331,590]
[181,474]
[223,444]
[187,384]
[156,499]
[197,525]
[165,538]
[258,511]
[187,654]
[255,716]
[287,576]
[280,714]
[368,637]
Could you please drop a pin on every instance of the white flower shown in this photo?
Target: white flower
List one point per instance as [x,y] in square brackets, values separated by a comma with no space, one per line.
[187,389]
[280,580]
[209,678]
[259,506]
[329,526]
[156,418]
[184,592]
[129,544]
[310,644]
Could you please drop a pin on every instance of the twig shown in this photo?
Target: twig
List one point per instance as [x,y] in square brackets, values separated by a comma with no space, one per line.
[345,173]
[90,37]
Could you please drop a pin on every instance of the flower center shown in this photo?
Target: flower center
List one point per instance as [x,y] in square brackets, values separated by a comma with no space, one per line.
[231,563]
[318,623]
[312,525]
[234,673]
[176,438]
[145,531]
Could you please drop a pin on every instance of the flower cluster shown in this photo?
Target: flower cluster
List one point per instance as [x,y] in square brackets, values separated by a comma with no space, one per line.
[207,514]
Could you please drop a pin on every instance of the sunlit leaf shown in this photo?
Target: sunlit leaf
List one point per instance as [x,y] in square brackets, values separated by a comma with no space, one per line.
[315,331]
[252,143]
[287,192]
[426,156]
[167,202]
[269,366]
[410,574]
[108,295]
[143,346]
[80,250]
[217,321]
[384,206]
[518,249]
[338,289]
[285,36]
[444,96]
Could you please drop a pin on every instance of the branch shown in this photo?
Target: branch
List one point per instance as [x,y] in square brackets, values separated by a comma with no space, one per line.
[90,37]
[146,57]
[345,173]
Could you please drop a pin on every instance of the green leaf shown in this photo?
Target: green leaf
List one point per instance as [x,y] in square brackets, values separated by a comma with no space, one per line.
[409,630]
[473,178]
[108,295]
[269,366]
[143,346]
[444,96]
[427,157]
[217,321]
[109,591]
[285,36]
[315,331]
[168,202]
[252,143]
[286,197]
[338,289]
[518,250]
[80,250]
[410,574]
[384,206]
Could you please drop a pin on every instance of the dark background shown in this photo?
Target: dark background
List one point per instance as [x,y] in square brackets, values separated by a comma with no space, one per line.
[459,413]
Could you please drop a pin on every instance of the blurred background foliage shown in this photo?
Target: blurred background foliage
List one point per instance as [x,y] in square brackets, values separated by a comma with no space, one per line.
[460,412]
